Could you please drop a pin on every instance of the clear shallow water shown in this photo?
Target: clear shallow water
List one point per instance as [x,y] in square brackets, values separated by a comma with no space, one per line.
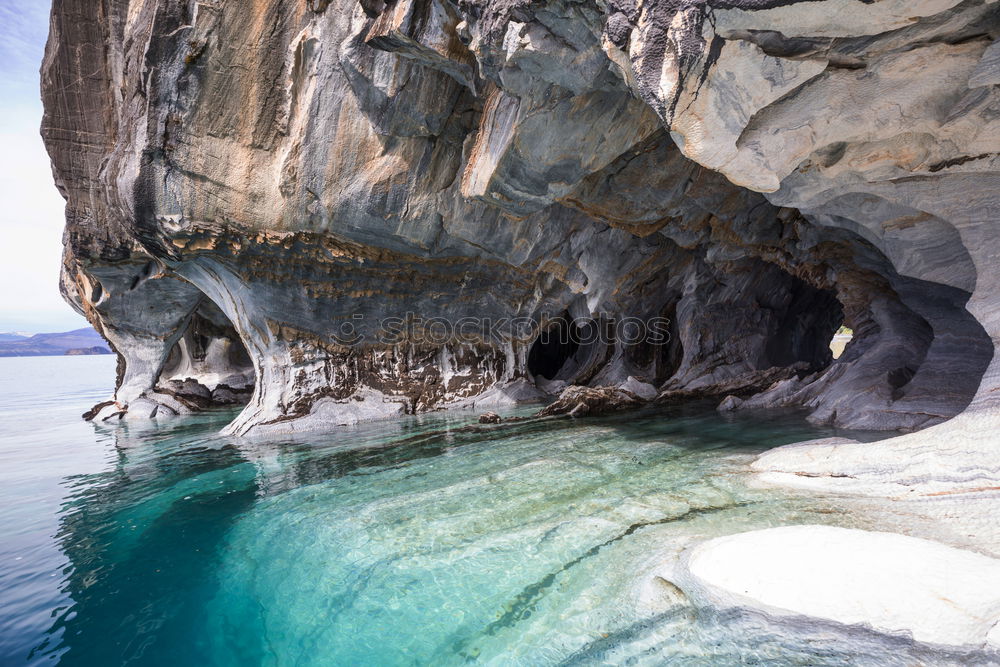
[395,543]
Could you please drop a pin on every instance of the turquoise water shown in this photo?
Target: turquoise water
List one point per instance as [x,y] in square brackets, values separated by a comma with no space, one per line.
[411,542]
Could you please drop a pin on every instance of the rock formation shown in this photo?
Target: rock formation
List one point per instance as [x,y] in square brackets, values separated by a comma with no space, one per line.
[254,191]
[901,586]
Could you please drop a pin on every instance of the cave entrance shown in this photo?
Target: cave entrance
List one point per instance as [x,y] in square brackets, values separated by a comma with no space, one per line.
[659,355]
[208,366]
[807,318]
[840,340]
[554,347]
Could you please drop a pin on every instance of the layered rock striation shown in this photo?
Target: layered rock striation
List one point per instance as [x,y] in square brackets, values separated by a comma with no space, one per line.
[329,206]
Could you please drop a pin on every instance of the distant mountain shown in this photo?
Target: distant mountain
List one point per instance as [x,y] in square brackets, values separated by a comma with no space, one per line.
[80,341]
[11,336]
[80,351]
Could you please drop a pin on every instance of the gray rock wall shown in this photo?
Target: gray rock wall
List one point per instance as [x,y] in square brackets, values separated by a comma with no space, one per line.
[279,179]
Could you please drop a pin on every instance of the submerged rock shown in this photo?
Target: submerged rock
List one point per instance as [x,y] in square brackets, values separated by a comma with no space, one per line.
[336,203]
[893,584]
[579,401]
[490,418]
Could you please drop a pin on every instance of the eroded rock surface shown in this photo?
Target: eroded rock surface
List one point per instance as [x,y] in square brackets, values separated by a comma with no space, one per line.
[253,191]
[893,584]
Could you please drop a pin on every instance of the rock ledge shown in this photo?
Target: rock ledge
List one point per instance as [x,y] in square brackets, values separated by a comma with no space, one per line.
[898,585]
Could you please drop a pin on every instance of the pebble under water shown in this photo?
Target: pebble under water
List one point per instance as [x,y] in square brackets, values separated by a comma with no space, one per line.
[408,542]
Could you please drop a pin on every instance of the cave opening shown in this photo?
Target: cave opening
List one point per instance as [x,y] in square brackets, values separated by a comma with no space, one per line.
[554,346]
[658,355]
[807,324]
[841,339]
[209,365]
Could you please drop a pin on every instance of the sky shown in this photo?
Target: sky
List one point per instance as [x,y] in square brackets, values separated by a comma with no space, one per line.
[31,215]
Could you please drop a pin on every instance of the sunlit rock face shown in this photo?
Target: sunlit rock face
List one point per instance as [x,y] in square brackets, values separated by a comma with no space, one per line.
[253,191]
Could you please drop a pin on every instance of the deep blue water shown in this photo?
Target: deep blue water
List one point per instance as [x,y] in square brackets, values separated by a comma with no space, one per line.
[409,542]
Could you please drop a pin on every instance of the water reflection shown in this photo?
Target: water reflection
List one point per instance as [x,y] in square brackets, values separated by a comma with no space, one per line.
[142,539]
[421,541]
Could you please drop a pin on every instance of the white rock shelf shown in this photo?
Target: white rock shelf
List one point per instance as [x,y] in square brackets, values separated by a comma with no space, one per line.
[902,586]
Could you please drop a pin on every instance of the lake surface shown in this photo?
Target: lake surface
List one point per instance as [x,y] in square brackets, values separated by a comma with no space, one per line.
[412,542]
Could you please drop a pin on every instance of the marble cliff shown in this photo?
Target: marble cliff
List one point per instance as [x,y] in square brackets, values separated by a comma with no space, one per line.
[254,188]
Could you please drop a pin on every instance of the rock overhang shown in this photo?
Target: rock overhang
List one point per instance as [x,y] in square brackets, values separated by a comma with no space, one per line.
[511,160]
